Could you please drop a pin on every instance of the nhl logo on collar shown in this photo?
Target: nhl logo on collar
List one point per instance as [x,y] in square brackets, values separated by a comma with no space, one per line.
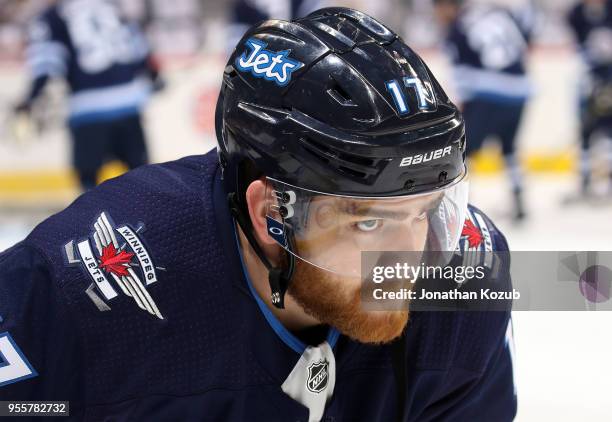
[116,260]
[318,376]
[273,66]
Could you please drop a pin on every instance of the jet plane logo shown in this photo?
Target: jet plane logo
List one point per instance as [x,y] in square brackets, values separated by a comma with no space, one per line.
[115,259]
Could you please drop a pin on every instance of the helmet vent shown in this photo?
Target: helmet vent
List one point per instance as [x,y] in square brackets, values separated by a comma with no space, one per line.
[338,155]
[341,96]
[354,166]
[353,173]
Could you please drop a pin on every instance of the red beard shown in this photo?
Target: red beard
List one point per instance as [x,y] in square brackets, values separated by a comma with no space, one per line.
[336,301]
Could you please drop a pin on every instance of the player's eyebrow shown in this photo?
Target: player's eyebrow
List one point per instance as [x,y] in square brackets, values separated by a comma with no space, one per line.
[354,209]
[376,213]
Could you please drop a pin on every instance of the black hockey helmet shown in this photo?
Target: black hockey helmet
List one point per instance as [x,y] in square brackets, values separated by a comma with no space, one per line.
[336,104]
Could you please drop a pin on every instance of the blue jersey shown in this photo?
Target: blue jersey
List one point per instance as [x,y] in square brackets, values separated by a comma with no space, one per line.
[487,46]
[246,13]
[592,27]
[102,57]
[133,304]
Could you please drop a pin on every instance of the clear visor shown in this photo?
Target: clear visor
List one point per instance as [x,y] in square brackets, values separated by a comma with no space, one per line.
[331,231]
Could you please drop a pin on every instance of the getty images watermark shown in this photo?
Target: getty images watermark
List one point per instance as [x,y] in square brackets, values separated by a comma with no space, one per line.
[404,272]
[495,281]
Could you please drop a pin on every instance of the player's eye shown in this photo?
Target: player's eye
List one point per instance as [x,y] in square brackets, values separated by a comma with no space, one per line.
[368,225]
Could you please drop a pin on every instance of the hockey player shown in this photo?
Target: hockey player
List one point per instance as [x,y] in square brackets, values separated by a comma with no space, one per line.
[105,61]
[246,13]
[223,287]
[487,47]
[591,22]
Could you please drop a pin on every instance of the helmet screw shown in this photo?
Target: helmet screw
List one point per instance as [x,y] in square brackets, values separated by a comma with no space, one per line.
[283,211]
[409,184]
[442,177]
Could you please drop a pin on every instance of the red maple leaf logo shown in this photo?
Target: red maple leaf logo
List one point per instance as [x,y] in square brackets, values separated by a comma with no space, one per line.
[113,262]
[473,234]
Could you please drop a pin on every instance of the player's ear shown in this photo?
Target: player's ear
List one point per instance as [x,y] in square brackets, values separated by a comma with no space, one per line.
[256,201]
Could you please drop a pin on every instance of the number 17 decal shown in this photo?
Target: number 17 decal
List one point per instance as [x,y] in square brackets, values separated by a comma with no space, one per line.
[14,366]
[423,92]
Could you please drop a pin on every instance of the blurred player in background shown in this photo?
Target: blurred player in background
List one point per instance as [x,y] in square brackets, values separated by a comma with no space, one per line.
[591,22]
[487,46]
[106,62]
[245,13]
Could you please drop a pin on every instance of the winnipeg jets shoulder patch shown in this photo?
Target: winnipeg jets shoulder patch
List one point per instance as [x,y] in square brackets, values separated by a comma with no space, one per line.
[475,235]
[476,244]
[116,260]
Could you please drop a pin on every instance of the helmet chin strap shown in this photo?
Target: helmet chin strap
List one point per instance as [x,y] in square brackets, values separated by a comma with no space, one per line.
[279,278]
